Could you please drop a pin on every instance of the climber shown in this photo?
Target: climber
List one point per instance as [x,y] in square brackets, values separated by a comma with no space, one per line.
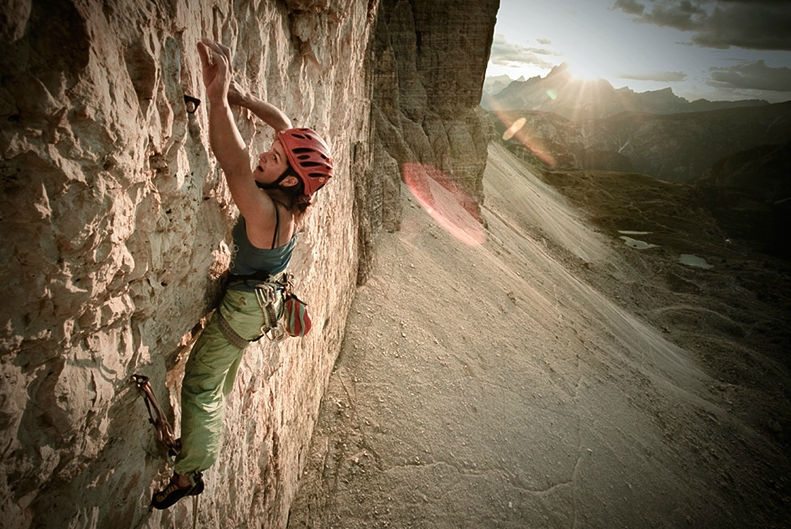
[272,200]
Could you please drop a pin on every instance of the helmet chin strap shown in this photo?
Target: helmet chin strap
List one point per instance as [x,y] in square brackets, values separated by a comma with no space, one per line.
[276,183]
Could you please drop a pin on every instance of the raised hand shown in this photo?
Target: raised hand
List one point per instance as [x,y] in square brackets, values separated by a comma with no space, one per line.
[216,63]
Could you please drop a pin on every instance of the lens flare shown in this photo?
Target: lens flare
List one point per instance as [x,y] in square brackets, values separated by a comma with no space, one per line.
[513,129]
[445,201]
[516,130]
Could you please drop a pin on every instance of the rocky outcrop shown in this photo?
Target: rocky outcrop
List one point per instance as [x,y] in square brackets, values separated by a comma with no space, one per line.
[429,62]
[115,222]
[115,219]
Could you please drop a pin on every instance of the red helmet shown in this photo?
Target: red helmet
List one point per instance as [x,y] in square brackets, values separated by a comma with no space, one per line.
[309,156]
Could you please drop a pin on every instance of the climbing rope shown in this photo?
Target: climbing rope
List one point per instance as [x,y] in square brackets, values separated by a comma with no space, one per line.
[156,417]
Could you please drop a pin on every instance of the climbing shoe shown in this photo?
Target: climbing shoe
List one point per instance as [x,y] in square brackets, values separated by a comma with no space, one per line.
[173,493]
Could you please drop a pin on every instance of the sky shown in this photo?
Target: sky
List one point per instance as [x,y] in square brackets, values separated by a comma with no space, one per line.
[717,50]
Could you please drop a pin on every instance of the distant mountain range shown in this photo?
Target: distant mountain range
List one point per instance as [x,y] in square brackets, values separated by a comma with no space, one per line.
[745,147]
[560,92]
[493,85]
[561,122]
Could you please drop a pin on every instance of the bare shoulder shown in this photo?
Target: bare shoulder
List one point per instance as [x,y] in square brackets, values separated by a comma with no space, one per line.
[271,228]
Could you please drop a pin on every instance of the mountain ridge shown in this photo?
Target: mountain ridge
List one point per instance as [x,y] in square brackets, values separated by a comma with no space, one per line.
[573,98]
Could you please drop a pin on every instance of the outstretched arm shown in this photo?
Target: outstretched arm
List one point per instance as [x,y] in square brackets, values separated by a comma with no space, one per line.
[267,112]
[227,143]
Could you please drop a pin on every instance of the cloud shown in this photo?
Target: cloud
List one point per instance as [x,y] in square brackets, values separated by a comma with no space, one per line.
[758,26]
[630,7]
[753,76]
[505,53]
[662,77]
[749,24]
[684,16]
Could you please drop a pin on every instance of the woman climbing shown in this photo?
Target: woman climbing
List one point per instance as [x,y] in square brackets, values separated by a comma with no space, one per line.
[272,200]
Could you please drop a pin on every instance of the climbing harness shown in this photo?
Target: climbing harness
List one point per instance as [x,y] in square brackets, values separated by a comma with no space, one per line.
[231,335]
[156,417]
[293,318]
[268,294]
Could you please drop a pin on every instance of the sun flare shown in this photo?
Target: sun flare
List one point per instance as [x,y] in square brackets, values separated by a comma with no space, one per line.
[584,71]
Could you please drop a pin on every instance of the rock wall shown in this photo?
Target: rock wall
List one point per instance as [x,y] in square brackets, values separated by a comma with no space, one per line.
[429,62]
[115,222]
[115,219]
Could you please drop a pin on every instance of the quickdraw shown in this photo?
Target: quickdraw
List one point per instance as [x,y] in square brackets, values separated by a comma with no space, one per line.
[163,429]
[156,417]
[268,295]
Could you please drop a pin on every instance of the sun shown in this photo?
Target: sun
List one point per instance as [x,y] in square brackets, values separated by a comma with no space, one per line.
[583,71]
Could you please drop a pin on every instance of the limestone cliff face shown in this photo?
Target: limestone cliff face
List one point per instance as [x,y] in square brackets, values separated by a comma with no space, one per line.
[115,222]
[429,62]
[116,219]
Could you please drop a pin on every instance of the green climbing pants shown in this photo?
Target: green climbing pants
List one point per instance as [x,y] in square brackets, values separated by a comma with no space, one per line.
[209,377]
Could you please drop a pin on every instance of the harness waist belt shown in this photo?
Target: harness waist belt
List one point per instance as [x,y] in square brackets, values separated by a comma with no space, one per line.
[227,331]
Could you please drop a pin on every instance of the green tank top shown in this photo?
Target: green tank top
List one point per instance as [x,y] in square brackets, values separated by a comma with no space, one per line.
[247,260]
